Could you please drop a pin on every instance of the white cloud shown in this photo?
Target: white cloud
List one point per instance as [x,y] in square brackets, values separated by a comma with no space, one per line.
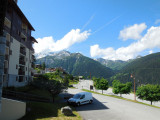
[150,40]
[132,32]
[157,21]
[150,52]
[48,44]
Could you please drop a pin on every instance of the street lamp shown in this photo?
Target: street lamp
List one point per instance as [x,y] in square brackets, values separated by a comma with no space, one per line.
[134,87]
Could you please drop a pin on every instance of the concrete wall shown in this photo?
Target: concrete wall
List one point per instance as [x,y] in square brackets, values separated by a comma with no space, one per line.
[12,110]
[84,84]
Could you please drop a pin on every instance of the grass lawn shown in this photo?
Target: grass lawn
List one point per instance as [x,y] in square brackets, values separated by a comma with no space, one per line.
[48,111]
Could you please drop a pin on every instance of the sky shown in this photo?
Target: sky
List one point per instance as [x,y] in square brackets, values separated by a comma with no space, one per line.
[109,29]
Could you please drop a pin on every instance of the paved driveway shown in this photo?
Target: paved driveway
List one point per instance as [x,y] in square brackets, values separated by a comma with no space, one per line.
[108,108]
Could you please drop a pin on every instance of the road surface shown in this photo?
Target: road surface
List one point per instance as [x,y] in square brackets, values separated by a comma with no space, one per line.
[108,108]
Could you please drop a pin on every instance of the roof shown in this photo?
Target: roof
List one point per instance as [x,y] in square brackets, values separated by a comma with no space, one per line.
[24,19]
[33,39]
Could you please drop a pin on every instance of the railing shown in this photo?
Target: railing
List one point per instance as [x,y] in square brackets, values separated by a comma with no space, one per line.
[22,62]
[6,57]
[32,74]
[7,43]
[21,72]
[33,66]
[22,51]
[24,31]
[5,70]
[24,96]
[33,58]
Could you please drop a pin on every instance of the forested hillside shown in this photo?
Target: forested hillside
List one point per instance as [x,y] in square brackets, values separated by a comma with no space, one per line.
[145,69]
[77,64]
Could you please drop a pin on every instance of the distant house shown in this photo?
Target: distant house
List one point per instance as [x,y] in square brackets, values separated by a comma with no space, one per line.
[17,46]
[52,70]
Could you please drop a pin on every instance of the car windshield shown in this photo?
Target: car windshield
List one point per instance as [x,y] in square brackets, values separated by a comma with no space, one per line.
[77,96]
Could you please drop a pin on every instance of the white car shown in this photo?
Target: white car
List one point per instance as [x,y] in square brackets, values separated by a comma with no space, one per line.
[81,98]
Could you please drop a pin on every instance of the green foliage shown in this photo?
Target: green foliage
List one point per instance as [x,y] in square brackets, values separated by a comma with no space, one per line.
[43,82]
[78,65]
[149,92]
[101,84]
[38,70]
[43,66]
[121,88]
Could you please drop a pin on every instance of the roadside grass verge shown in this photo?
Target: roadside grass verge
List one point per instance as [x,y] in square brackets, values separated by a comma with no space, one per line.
[48,111]
[73,82]
[121,98]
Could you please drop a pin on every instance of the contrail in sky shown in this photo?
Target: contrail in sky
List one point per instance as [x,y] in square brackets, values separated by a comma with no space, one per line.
[85,25]
[108,23]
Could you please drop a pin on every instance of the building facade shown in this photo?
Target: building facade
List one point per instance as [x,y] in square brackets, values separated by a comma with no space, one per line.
[17,47]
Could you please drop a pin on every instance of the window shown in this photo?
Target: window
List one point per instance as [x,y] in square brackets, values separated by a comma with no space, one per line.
[16,66]
[83,96]
[17,78]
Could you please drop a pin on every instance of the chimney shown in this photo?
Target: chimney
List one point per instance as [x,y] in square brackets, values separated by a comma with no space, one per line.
[15,1]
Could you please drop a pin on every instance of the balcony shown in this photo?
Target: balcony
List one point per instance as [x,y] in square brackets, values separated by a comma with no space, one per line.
[7,43]
[7,23]
[32,49]
[21,79]
[33,66]
[5,70]
[33,58]
[32,74]
[21,72]
[22,62]
[6,57]
[24,31]
[22,51]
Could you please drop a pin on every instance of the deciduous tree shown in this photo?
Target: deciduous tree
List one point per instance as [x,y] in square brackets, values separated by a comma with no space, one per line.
[121,88]
[149,92]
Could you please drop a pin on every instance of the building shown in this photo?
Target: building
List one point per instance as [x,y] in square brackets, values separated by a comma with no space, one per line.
[18,57]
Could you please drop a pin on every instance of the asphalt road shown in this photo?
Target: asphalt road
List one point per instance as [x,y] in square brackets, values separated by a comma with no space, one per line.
[108,108]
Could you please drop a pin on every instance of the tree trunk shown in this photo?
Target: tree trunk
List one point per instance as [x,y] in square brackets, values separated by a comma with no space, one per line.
[102,91]
[151,102]
[120,95]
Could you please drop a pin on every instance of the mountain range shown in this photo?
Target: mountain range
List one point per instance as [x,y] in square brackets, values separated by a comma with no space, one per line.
[76,64]
[144,69]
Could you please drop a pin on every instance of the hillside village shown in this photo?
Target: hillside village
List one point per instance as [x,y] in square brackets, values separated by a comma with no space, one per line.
[37,86]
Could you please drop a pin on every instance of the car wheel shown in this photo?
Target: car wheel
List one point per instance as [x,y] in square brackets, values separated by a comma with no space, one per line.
[90,101]
[78,104]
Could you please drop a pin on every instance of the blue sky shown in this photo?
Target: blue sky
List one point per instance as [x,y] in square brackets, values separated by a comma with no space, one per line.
[112,29]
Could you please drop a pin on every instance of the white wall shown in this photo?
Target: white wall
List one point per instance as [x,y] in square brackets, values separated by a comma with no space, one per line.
[12,109]
[84,84]
[14,58]
[27,62]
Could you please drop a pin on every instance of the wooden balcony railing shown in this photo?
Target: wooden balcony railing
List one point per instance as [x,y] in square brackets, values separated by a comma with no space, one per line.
[22,51]
[21,72]
[22,62]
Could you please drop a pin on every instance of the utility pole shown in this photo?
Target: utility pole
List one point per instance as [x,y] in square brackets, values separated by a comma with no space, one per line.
[134,87]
